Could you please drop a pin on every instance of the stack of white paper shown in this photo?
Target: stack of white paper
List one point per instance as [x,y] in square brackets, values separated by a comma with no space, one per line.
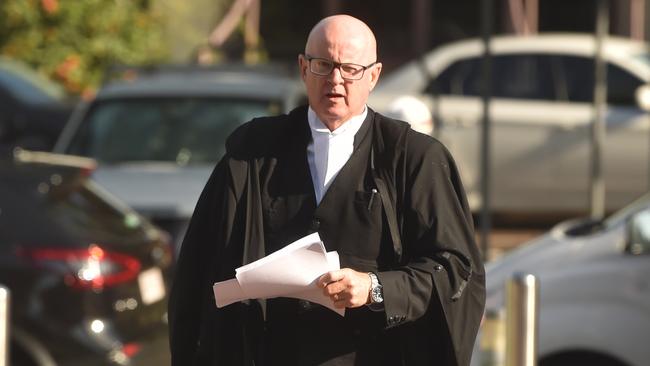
[290,272]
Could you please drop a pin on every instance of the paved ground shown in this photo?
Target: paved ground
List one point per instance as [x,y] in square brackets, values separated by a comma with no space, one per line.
[157,353]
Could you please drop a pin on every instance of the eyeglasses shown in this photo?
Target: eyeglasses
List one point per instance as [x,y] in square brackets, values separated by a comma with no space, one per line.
[349,71]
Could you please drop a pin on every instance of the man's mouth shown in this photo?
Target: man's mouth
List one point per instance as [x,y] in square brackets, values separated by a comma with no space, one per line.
[334,95]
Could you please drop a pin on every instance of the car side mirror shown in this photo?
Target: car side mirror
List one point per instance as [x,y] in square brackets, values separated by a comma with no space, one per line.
[642,95]
[638,233]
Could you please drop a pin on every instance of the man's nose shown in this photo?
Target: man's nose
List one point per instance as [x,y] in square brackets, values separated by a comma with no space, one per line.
[335,76]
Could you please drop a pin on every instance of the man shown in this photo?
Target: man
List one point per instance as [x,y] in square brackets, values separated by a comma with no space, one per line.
[388,199]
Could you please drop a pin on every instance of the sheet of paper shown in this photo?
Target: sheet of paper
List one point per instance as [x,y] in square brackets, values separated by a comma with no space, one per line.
[228,292]
[289,272]
[315,294]
[298,244]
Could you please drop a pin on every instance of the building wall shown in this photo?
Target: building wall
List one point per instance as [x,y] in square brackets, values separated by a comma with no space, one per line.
[403,29]
[188,24]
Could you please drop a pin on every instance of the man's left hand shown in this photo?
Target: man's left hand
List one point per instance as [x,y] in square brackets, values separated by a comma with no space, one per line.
[346,287]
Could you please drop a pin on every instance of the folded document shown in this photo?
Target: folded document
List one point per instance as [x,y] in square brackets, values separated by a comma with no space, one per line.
[289,272]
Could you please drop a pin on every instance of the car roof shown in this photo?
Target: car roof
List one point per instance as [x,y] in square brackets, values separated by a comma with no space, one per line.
[553,42]
[27,84]
[250,82]
[616,49]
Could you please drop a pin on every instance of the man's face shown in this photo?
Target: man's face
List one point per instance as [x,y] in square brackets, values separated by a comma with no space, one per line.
[334,99]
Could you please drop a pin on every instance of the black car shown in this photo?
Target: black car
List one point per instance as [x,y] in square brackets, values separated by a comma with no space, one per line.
[33,109]
[88,276]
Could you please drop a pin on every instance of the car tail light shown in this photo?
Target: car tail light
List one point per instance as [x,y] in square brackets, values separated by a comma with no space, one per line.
[91,268]
[121,355]
[131,349]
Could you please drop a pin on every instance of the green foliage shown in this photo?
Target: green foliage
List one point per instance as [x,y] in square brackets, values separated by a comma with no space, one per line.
[75,41]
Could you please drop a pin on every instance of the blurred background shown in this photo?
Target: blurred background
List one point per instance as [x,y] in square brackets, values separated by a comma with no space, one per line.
[114,112]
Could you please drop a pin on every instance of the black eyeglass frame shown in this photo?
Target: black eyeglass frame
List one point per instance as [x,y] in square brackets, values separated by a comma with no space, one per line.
[338,65]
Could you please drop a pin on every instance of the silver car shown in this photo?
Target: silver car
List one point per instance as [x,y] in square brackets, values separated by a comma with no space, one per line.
[157,138]
[594,281]
[541,113]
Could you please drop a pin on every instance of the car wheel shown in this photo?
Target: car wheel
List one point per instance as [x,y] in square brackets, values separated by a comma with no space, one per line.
[580,358]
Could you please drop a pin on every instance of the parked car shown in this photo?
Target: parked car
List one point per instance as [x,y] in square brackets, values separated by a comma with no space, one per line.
[88,276]
[33,109]
[594,280]
[541,112]
[157,138]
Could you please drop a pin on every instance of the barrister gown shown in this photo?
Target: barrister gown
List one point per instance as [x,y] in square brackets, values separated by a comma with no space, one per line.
[260,197]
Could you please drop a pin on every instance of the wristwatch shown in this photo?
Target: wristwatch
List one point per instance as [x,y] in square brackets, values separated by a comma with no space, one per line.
[376,289]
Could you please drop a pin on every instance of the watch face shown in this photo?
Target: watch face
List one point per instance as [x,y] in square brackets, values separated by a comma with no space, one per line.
[376,295]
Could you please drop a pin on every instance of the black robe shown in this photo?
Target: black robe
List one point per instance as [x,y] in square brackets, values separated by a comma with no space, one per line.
[433,283]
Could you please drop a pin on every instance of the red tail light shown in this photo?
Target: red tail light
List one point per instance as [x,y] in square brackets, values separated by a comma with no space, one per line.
[131,349]
[91,268]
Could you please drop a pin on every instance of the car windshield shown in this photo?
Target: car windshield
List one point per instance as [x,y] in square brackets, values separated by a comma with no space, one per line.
[183,131]
[622,215]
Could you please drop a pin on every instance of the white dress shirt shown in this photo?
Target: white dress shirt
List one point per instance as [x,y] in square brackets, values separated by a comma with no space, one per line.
[328,150]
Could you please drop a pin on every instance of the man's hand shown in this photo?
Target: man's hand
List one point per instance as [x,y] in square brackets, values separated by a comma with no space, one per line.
[346,287]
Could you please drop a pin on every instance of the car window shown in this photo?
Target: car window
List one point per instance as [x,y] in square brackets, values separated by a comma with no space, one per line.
[522,76]
[458,79]
[537,77]
[60,207]
[579,75]
[621,86]
[180,130]
[579,71]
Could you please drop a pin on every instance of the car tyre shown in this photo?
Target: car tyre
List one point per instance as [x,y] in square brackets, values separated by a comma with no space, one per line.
[581,358]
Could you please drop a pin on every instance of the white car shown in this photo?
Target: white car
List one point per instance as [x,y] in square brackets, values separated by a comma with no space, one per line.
[594,280]
[541,112]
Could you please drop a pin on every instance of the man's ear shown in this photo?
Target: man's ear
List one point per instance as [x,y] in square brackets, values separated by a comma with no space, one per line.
[374,75]
[303,64]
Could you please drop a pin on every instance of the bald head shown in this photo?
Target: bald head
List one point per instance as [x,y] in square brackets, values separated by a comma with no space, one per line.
[339,43]
[343,31]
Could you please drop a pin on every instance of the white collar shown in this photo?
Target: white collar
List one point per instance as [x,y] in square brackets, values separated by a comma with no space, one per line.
[352,125]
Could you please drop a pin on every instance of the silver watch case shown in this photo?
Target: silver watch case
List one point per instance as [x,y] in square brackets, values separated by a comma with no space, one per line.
[376,289]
